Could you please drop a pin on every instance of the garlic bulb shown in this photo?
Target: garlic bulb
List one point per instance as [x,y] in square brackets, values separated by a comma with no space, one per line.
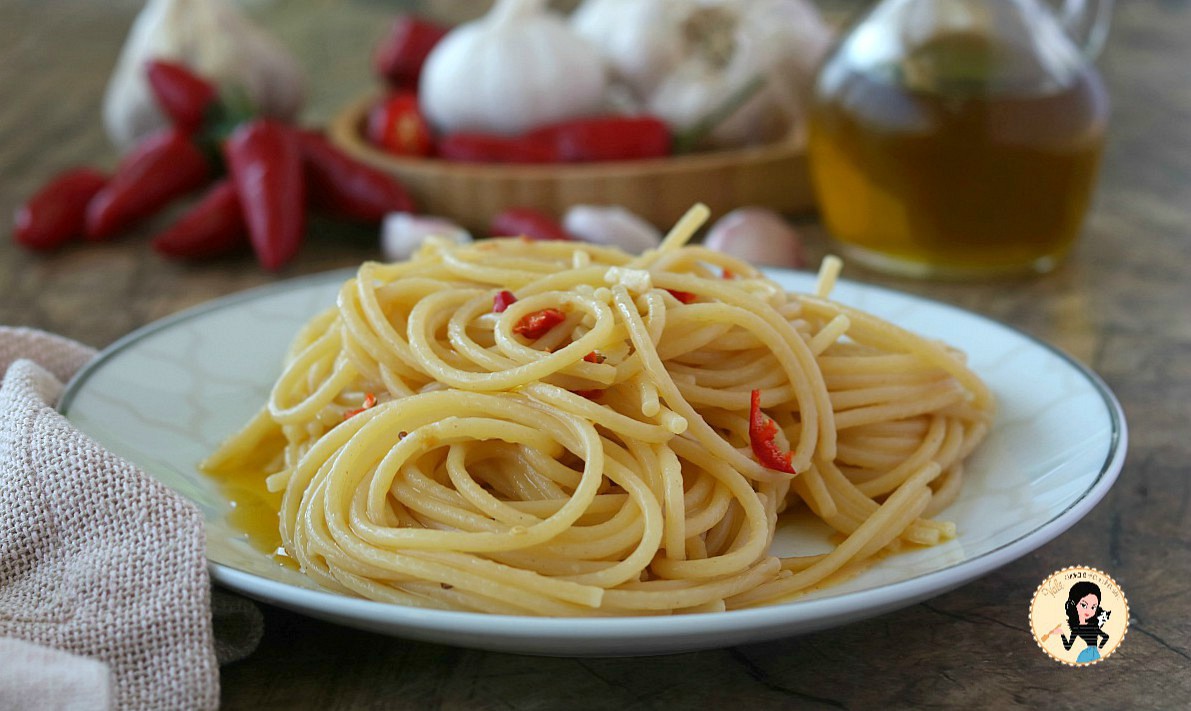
[613,226]
[514,69]
[686,59]
[638,38]
[212,38]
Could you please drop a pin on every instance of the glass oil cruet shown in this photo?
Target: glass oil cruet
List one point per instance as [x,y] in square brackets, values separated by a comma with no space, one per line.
[960,138]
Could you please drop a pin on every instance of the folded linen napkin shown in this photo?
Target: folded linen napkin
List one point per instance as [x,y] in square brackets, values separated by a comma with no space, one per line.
[105,601]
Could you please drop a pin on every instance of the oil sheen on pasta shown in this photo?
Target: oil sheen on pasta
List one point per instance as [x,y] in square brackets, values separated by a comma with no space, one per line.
[954,176]
[426,452]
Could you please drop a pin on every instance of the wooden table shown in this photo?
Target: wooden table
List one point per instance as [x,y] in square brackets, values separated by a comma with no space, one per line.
[1119,305]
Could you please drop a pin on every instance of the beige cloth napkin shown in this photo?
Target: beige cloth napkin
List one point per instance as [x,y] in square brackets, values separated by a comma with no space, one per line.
[105,601]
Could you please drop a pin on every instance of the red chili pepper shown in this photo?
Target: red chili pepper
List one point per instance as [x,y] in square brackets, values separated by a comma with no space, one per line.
[528,222]
[589,394]
[183,95]
[762,431]
[595,357]
[264,159]
[607,138]
[535,325]
[685,297]
[369,402]
[503,300]
[490,148]
[341,185]
[212,227]
[397,125]
[399,56]
[729,274]
[164,166]
[57,213]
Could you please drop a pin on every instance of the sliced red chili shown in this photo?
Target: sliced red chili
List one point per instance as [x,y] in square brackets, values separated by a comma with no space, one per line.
[503,300]
[685,297]
[762,431]
[535,325]
[369,402]
[595,357]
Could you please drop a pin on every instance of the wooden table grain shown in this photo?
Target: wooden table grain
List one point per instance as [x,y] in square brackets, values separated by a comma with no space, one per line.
[1119,305]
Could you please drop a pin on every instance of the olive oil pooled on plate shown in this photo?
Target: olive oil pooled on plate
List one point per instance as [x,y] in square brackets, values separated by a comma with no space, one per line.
[957,160]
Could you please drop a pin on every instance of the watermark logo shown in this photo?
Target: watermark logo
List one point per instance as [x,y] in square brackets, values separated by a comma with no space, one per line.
[1079,616]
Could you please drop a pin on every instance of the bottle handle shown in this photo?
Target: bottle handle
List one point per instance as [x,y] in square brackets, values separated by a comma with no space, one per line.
[1087,22]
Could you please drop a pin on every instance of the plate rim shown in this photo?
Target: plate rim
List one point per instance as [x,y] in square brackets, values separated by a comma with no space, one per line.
[854,605]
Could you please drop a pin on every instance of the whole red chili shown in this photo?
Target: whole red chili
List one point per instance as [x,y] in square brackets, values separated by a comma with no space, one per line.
[344,186]
[57,213]
[399,56]
[491,148]
[264,158]
[503,300]
[183,95]
[213,226]
[396,125]
[164,166]
[535,325]
[607,138]
[527,222]
[762,432]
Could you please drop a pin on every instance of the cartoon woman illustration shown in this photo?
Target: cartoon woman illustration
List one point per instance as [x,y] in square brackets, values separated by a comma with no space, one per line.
[1083,603]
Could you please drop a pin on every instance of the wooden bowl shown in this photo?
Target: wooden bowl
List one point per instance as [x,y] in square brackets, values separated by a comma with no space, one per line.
[659,190]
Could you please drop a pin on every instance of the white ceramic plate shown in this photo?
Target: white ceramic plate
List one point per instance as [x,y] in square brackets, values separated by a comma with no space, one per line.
[167,394]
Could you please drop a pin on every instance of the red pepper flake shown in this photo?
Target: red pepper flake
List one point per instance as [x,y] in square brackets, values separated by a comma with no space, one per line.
[535,325]
[589,394]
[729,274]
[503,300]
[685,297]
[369,402]
[762,431]
[595,357]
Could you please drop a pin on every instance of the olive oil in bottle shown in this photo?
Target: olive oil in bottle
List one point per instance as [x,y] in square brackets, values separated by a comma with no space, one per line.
[962,158]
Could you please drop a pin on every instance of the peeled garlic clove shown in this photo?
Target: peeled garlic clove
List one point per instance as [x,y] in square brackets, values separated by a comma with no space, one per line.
[612,226]
[758,236]
[214,39]
[402,233]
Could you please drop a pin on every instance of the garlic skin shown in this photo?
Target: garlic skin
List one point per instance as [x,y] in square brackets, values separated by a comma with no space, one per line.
[759,236]
[515,69]
[638,38]
[402,234]
[684,59]
[214,39]
[611,226]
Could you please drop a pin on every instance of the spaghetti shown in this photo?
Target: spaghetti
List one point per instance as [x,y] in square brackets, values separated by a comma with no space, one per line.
[558,428]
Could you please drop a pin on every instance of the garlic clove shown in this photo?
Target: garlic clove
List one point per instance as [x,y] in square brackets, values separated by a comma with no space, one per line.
[612,226]
[759,236]
[214,39]
[402,233]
